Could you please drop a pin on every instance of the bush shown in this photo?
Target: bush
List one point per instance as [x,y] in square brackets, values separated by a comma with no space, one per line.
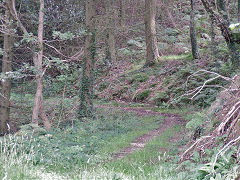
[141,77]
[142,95]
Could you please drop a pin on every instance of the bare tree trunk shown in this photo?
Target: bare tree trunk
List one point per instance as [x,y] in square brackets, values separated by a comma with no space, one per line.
[6,67]
[87,79]
[150,32]
[38,108]
[110,37]
[193,37]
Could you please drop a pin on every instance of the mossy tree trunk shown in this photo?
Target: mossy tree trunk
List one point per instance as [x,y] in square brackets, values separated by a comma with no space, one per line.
[193,37]
[150,33]
[87,80]
[221,19]
[6,67]
[38,108]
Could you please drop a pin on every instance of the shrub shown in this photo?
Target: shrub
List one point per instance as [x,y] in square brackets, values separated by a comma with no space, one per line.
[142,95]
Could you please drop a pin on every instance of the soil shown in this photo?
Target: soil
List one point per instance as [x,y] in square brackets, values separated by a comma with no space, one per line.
[170,120]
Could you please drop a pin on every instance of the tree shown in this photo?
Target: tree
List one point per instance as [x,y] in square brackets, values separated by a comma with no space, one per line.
[110,37]
[221,19]
[193,37]
[122,12]
[238,10]
[6,67]
[38,108]
[150,33]
[87,79]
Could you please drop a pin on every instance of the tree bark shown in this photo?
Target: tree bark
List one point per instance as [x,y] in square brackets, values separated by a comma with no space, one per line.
[213,42]
[223,23]
[193,37]
[122,12]
[6,67]
[238,10]
[38,108]
[110,36]
[87,80]
[150,33]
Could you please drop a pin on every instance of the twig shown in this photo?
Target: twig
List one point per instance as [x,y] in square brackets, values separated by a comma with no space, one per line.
[223,150]
[194,144]
[55,49]
[228,117]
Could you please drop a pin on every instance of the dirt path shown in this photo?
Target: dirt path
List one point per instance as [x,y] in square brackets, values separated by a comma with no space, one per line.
[169,121]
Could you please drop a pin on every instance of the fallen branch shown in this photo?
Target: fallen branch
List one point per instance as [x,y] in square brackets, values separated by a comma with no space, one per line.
[223,150]
[193,146]
[219,130]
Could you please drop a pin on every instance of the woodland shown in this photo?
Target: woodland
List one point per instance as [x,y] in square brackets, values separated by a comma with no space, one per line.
[120,89]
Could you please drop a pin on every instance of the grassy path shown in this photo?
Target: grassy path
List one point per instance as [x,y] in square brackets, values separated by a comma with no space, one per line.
[170,120]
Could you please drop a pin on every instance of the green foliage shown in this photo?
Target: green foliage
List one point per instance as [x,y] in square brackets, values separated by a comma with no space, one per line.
[140,77]
[1,51]
[196,121]
[226,167]
[103,85]
[172,32]
[142,95]
[16,158]
[133,42]
[235,28]
[159,98]
[65,148]
[31,129]
[63,36]
[29,38]
[67,81]
[208,94]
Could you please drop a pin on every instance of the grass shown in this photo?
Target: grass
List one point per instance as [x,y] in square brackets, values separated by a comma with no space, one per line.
[175,57]
[143,163]
[121,141]
[85,150]
[70,149]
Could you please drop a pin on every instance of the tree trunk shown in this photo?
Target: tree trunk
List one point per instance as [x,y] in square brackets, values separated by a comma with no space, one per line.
[222,9]
[213,42]
[110,37]
[122,12]
[87,79]
[6,82]
[223,24]
[38,108]
[238,10]
[150,33]
[193,37]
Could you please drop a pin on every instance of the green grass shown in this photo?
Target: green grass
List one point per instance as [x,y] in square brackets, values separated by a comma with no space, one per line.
[144,162]
[121,141]
[87,144]
[175,57]
[85,151]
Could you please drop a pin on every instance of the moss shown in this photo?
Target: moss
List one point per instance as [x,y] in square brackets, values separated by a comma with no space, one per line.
[142,95]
